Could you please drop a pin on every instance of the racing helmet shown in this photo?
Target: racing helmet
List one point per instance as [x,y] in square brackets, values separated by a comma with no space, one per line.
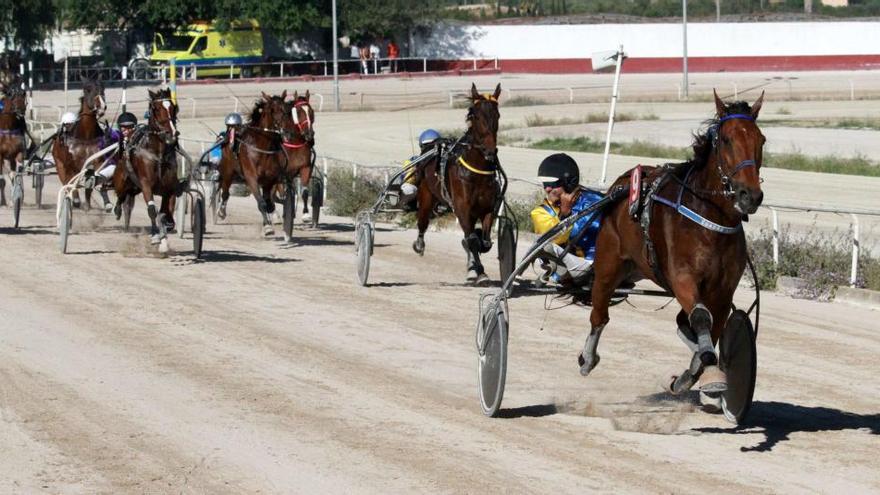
[126,119]
[233,119]
[68,118]
[428,136]
[559,170]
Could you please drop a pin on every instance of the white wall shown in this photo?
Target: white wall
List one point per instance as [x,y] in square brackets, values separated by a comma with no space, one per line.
[653,40]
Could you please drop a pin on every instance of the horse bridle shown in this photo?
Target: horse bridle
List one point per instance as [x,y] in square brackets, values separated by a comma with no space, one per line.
[155,123]
[471,141]
[302,126]
[727,180]
[12,95]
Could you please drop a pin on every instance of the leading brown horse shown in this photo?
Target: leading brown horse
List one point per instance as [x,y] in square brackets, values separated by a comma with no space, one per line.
[12,130]
[688,238]
[71,149]
[463,176]
[299,143]
[257,156]
[148,163]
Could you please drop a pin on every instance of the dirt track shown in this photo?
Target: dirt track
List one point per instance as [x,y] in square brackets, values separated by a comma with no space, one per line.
[266,369]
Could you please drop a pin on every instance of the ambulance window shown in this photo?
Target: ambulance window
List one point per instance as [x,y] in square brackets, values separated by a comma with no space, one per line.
[201,45]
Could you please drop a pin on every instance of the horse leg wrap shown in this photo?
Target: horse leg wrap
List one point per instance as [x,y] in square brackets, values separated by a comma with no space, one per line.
[589,358]
[485,241]
[701,322]
[473,242]
[151,210]
[419,244]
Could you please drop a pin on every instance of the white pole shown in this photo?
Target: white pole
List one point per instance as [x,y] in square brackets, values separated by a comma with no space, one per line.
[620,56]
[335,61]
[65,84]
[124,89]
[684,58]
[855,252]
[775,237]
[326,179]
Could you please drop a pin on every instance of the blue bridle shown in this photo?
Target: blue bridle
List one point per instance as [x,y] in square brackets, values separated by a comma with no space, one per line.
[741,165]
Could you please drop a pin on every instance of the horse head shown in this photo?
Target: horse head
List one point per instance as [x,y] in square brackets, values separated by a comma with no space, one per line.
[92,100]
[15,100]
[271,112]
[303,116]
[737,145]
[163,115]
[482,120]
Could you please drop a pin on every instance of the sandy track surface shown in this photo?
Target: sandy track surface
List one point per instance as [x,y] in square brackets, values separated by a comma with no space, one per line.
[266,369]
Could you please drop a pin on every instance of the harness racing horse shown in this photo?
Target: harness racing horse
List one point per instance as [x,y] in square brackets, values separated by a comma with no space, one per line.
[149,164]
[257,156]
[463,177]
[299,143]
[688,238]
[12,131]
[70,150]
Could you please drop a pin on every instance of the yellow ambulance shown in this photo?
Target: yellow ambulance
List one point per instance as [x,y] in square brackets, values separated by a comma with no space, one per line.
[203,46]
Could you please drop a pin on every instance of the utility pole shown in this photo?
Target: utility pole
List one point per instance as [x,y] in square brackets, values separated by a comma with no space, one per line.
[717,10]
[335,61]
[684,58]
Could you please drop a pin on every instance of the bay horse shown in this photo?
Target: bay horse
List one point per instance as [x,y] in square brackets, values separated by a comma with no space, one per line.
[299,143]
[85,137]
[463,176]
[257,156]
[688,238]
[12,130]
[148,163]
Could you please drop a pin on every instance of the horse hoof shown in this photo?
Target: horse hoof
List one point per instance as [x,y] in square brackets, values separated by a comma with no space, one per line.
[156,239]
[711,403]
[472,277]
[587,366]
[108,207]
[221,214]
[419,247]
[712,380]
[76,203]
[482,280]
[287,238]
[163,246]
[268,231]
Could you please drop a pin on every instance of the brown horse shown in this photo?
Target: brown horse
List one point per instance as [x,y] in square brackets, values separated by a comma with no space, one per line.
[688,238]
[299,143]
[257,156]
[148,163]
[12,131]
[71,149]
[463,176]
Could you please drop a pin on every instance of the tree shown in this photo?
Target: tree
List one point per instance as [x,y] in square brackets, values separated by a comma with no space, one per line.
[26,22]
[365,18]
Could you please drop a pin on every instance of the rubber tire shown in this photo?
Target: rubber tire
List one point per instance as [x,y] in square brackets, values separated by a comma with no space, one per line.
[289,211]
[317,196]
[364,251]
[198,226]
[215,201]
[492,365]
[65,221]
[17,197]
[180,214]
[506,249]
[738,358]
[39,181]
[139,67]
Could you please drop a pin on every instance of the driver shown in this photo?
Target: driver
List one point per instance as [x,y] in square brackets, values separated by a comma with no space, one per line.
[67,121]
[126,124]
[564,197]
[410,186]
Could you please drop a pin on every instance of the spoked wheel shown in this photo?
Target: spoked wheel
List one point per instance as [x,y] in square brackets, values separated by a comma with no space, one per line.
[17,196]
[65,221]
[127,206]
[316,190]
[364,243]
[506,248]
[492,356]
[198,225]
[739,360]
[215,201]
[289,211]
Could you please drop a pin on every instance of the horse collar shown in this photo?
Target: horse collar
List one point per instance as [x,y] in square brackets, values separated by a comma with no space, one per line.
[692,215]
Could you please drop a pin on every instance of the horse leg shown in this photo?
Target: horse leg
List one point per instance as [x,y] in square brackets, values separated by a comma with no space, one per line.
[703,368]
[2,183]
[167,209]
[608,274]
[156,235]
[266,206]
[305,178]
[426,205]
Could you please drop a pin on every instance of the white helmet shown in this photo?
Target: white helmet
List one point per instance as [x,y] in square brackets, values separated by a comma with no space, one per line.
[68,118]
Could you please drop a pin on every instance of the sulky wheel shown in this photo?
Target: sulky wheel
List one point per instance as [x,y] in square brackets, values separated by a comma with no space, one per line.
[364,244]
[289,211]
[739,360]
[317,198]
[65,221]
[492,357]
[17,197]
[198,225]
[506,248]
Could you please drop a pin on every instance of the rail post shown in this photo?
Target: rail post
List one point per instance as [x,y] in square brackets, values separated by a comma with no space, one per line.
[735,91]
[281,70]
[424,64]
[354,175]
[854,272]
[570,95]
[852,91]
[775,236]
[231,71]
[326,178]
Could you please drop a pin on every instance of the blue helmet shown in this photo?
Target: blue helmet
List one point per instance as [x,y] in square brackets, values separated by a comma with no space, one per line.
[428,136]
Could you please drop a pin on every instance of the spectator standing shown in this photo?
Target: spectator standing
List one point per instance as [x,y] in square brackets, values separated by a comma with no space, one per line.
[393,54]
[374,56]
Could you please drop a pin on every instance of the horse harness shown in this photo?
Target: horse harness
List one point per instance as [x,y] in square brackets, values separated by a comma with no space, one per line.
[454,150]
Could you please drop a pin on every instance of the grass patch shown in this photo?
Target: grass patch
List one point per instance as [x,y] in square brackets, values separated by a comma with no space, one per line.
[635,148]
[821,259]
[520,208]
[841,123]
[790,161]
[784,111]
[537,120]
[523,101]
[347,195]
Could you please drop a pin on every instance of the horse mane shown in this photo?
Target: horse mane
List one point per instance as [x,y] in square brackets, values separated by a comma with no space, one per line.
[257,112]
[161,94]
[703,140]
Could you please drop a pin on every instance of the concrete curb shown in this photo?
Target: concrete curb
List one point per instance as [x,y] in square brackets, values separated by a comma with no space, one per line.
[860,297]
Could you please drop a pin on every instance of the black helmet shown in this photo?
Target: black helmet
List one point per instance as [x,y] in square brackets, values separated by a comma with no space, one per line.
[560,169]
[127,119]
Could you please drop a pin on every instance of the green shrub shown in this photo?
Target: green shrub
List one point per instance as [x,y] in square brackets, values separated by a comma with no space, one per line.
[346,196]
